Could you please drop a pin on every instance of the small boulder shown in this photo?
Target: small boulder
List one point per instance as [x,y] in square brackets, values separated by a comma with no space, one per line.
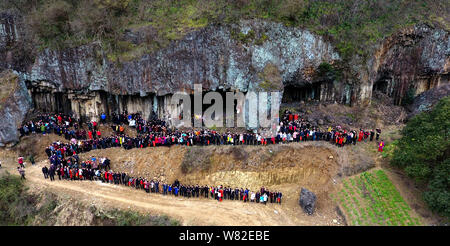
[307,201]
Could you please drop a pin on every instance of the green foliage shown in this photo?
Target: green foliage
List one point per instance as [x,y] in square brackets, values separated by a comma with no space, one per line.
[371,199]
[246,38]
[329,72]
[325,68]
[262,39]
[16,207]
[424,151]
[409,97]
[389,148]
[437,195]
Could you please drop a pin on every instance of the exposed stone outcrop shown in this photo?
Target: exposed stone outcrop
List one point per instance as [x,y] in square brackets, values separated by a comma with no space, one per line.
[16,49]
[215,57]
[307,201]
[250,56]
[416,58]
[14,105]
[212,56]
[428,99]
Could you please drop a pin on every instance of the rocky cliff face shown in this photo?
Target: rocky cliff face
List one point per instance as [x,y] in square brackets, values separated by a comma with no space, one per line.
[250,56]
[14,105]
[415,59]
[214,57]
[227,58]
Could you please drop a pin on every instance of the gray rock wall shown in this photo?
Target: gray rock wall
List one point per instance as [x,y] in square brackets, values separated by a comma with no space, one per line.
[417,58]
[13,109]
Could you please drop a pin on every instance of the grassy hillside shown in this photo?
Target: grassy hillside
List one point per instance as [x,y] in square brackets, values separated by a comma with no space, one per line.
[354,26]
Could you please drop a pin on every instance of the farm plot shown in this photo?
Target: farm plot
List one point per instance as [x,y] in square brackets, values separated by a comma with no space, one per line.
[371,199]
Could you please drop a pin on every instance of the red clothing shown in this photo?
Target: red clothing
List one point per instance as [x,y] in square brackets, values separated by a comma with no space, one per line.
[380,147]
[360,136]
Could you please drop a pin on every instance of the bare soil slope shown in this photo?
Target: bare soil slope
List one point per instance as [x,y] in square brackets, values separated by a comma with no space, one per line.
[285,168]
[318,166]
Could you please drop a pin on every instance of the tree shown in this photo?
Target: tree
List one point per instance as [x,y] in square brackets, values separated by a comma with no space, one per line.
[424,152]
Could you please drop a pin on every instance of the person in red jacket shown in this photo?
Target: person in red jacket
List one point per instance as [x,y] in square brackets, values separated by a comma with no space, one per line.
[381,146]
[221,194]
[110,178]
[90,134]
[20,160]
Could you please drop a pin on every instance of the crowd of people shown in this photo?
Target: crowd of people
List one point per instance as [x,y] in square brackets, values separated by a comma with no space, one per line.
[65,163]
[154,133]
[294,128]
[98,169]
[61,124]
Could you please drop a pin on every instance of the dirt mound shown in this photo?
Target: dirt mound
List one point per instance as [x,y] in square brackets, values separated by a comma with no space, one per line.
[284,168]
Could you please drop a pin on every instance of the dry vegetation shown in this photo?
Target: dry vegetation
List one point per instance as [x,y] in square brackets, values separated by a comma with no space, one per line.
[8,84]
[354,26]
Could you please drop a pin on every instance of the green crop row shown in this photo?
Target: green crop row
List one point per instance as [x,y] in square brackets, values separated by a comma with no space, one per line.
[371,199]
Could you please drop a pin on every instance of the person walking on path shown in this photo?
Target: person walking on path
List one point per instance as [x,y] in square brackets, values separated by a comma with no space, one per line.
[21,172]
[45,172]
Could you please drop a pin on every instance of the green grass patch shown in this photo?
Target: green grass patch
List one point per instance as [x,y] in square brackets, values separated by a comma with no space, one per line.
[371,199]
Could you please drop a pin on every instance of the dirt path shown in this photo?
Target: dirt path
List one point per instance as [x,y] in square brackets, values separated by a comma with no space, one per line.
[307,172]
[189,211]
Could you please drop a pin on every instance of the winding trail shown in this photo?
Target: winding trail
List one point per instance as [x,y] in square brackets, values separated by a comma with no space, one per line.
[193,211]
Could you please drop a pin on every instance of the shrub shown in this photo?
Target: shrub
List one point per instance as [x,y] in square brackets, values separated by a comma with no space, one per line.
[423,152]
[16,207]
[409,97]
[50,23]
